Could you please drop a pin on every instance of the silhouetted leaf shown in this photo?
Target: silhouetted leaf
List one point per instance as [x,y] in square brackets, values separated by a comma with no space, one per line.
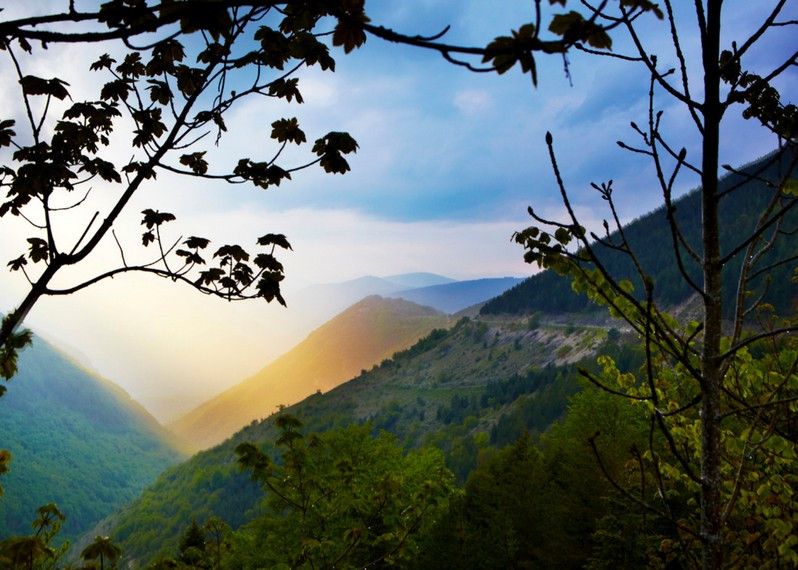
[235,252]
[159,91]
[32,85]
[645,6]
[195,162]
[274,239]
[286,89]
[18,263]
[106,170]
[268,261]
[197,242]
[288,130]
[132,66]
[38,249]
[349,33]
[116,90]
[154,218]
[105,62]
[6,132]
[191,257]
[210,276]
[164,56]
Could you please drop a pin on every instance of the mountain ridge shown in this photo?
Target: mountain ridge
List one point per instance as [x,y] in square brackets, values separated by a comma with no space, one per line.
[329,355]
[64,424]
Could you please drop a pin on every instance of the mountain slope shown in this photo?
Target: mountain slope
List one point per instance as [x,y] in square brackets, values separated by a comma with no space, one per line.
[361,336]
[77,440]
[650,237]
[458,295]
[482,379]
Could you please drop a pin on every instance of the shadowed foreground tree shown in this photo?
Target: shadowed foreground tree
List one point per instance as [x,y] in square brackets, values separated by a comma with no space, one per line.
[175,89]
[37,550]
[104,550]
[698,401]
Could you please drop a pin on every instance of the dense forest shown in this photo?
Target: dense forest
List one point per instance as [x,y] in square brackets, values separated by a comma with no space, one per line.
[745,193]
[75,440]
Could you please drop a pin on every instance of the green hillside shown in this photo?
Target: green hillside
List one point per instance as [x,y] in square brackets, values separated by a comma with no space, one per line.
[651,240]
[360,336]
[484,380]
[76,440]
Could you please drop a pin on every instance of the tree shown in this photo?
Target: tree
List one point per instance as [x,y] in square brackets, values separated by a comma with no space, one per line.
[175,92]
[192,545]
[103,548]
[341,499]
[699,350]
[35,551]
[217,534]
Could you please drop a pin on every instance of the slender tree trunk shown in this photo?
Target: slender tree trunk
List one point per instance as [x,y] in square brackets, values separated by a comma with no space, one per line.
[712,558]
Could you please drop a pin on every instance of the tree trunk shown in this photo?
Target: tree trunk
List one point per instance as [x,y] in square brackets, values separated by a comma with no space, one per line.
[712,557]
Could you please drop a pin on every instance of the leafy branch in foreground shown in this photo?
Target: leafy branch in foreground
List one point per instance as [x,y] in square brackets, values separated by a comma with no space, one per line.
[173,96]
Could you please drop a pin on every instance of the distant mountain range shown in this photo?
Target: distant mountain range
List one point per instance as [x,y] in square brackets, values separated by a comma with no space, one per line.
[358,338]
[458,295]
[77,440]
[322,302]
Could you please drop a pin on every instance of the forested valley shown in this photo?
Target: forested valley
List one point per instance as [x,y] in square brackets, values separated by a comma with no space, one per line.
[631,404]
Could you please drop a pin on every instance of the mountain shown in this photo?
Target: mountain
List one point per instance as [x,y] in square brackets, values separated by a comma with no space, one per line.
[76,440]
[314,305]
[418,280]
[484,380]
[746,195]
[458,295]
[358,338]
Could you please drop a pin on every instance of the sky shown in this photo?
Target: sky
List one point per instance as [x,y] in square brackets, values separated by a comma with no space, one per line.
[448,162]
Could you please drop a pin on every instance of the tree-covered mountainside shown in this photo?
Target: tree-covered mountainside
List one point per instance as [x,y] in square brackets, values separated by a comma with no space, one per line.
[357,338]
[745,197]
[76,440]
[483,381]
[456,296]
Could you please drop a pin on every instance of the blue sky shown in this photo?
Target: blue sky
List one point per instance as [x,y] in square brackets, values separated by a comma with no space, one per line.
[448,163]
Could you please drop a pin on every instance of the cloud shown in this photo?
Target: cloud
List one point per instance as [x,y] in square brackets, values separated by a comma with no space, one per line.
[472,101]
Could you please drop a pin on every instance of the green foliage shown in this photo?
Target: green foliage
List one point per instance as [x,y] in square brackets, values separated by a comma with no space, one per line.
[535,505]
[9,351]
[104,550]
[758,471]
[400,396]
[340,499]
[36,551]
